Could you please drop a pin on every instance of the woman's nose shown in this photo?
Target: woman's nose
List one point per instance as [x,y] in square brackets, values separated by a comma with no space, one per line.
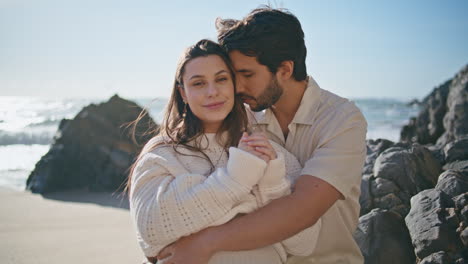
[212,89]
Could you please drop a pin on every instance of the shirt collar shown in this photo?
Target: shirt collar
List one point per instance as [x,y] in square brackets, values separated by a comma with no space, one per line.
[307,108]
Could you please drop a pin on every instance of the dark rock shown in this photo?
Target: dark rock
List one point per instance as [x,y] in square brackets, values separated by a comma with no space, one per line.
[412,170]
[464,237]
[431,225]
[456,150]
[414,102]
[378,145]
[464,214]
[367,169]
[388,201]
[452,183]
[461,206]
[461,200]
[456,119]
[365,200]
[440,257]
[437,152]
[382,186]
[427,127]
[374,148]
[91,151]
[444,114]
[396,173]
[399,172]
[451,217]
[461,166]
[383,238]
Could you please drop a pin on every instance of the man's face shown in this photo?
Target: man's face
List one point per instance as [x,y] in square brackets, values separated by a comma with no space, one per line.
[257,86]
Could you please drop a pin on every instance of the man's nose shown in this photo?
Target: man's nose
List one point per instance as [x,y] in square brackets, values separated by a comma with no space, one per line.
[240,87]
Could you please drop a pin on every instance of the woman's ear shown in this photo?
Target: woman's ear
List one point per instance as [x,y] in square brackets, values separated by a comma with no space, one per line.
[285,70]
[182,93]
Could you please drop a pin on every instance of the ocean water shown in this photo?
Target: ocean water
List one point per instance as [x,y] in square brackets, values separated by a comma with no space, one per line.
[28,124]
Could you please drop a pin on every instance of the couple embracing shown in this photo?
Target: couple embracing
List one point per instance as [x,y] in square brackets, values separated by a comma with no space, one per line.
[253,162]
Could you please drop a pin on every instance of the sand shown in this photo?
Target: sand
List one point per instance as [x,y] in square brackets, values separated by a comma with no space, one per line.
[66,227]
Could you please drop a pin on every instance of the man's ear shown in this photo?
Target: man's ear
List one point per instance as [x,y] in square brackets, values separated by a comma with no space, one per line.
[182,93]
[285,70]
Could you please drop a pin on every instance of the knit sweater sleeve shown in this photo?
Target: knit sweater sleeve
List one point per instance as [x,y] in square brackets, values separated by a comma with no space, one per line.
[167,202]
[279,175]
[276,182]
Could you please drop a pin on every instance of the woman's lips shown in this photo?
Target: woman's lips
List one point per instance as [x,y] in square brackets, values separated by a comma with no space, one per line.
[214,106]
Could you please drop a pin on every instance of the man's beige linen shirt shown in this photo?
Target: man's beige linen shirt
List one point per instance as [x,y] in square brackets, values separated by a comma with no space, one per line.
[327,135]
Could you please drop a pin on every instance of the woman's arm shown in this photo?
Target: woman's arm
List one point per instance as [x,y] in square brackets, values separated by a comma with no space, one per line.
[167,202]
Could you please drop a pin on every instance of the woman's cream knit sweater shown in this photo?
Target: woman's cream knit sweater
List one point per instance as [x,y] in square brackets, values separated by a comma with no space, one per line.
[174,195]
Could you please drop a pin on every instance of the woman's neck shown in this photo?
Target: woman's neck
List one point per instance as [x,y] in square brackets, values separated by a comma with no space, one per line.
[210,128]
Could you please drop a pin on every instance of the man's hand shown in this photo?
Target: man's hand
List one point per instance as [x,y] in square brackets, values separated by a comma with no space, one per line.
[187,250]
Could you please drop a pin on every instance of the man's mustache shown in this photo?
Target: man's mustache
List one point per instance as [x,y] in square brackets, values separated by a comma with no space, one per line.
[244,97]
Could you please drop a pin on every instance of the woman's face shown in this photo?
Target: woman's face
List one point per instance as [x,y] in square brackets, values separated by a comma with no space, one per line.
[208,90]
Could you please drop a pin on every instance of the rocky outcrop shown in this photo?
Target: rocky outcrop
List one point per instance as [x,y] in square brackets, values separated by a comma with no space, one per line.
[437,258]
[444,116]
[456,118]
[412,169]
[409,182]
[94,150]
[374,148]
[423,180]
[398,173]
[436,222]
[428,225]
[456,150]
[452,183]
[382,231]
[428,126]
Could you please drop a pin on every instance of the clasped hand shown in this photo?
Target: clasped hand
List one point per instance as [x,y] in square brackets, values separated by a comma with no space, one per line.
[257,144]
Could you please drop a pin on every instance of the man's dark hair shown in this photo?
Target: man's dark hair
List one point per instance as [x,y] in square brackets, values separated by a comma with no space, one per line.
[271,35]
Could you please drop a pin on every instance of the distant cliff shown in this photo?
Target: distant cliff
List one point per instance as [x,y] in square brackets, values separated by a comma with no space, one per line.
[444,114]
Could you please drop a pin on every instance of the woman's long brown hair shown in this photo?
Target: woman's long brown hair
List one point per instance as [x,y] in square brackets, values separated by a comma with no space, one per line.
[177,129]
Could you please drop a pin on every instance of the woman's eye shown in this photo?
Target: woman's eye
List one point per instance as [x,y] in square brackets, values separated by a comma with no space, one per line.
[222,79]
[197,83]
[248,75]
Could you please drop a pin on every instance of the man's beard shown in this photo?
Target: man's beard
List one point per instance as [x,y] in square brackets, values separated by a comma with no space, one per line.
[268,98]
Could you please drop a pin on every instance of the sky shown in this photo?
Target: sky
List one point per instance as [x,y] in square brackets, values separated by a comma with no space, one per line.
[95,49]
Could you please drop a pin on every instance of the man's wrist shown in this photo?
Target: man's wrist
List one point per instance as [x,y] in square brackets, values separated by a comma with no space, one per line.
[208,240]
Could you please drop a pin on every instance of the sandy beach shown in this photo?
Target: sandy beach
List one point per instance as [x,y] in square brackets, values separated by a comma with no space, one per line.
[66,227]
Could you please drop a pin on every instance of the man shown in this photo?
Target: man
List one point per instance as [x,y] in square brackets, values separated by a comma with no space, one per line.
[324,131]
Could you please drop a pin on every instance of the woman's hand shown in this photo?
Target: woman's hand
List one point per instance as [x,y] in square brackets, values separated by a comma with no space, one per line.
[258,145]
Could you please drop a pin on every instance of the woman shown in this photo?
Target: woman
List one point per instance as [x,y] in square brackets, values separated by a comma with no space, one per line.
[201,170]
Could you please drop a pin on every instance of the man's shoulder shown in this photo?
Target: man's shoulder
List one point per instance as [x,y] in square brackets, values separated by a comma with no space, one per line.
[333,102]
[333,106]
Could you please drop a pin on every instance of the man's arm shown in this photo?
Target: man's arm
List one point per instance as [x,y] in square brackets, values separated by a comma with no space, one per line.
[275,222]
[288,215]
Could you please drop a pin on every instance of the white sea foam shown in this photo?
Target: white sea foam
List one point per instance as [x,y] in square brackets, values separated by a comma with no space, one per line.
[17,162]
